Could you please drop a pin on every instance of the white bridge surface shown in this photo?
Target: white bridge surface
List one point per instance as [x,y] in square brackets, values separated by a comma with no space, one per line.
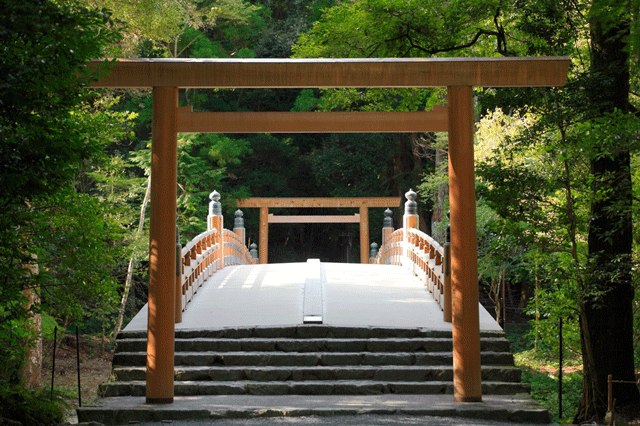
[338,294]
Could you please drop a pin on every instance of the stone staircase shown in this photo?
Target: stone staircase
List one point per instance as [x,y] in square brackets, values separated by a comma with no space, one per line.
[312,360]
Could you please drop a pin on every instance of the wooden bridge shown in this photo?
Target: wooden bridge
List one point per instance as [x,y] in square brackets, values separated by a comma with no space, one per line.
[249,328]
[458,75]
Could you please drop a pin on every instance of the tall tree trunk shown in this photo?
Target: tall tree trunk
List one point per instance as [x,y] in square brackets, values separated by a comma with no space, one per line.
[129,280]
[606,312]
[32,368]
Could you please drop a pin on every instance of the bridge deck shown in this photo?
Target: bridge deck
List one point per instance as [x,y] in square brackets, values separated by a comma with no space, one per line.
[351,295]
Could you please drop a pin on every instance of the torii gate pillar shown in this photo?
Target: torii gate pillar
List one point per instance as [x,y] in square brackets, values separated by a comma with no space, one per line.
[464,247]
[162,246]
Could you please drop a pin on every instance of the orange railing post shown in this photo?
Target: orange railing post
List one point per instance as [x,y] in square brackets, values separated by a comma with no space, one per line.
[179,271]
[410,221]
[387,226]
[238,226]
[447,276]
[216,221]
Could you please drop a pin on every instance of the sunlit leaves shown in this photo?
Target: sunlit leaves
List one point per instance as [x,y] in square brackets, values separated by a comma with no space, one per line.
[405,28]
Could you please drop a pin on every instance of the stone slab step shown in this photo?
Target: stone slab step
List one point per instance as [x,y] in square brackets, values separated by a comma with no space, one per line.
[425,344]
[346,387]
[307,359]
[299,374]
[395,409]
[307,331]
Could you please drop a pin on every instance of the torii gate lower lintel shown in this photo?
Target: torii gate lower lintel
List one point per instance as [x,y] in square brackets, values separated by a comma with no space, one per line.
[458,75]
[362,203]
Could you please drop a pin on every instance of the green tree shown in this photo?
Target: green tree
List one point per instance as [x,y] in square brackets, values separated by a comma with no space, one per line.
[606,320]
[169,27]
[44,141]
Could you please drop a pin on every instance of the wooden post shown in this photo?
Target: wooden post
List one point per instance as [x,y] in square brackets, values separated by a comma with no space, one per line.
[364,234]
[178,286]
[264,235]
[238,226]
[387,226]
[162,246]
[446,310]
[373,253]
[216,221]
[409,220]
[464,254]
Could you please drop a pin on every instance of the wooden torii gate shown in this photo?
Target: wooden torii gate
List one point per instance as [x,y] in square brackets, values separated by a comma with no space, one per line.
[361,203]
[458,75]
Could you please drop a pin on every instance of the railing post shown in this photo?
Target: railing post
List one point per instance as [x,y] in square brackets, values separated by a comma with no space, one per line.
[387,226]
[373,253]
[254,252]
[238,226]
[215,221]
[178,277]
[446,309]
[410,220]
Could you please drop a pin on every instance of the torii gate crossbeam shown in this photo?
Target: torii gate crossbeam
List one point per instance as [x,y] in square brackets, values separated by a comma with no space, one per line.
[458,75]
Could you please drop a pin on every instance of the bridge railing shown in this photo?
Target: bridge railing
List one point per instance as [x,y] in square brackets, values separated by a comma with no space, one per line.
[209,252]
[419,252]
[235,251]
[425,258]
[200,260]
[390,253]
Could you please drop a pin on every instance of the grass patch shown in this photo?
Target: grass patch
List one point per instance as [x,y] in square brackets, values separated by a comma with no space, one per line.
[542,375]
[540,371]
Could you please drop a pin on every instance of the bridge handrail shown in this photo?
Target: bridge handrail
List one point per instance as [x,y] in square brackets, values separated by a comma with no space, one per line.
[199,261]
[390,253]
[235,251]
[425,257]
[414,249]
[209,252]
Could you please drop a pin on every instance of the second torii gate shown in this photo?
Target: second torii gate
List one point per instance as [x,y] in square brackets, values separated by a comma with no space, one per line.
[361,203]
[458,75]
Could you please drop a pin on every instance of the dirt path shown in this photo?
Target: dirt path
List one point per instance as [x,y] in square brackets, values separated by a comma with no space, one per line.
[95,368]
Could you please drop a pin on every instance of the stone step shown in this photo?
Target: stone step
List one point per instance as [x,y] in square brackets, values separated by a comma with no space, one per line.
[301,374]
[309,359]
[494,344]
[346,387]
[307,331]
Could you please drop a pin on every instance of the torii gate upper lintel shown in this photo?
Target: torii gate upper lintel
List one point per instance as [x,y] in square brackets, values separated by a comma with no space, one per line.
[458,75]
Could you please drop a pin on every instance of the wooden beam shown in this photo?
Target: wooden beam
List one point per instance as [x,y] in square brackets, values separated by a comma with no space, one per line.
[162,247]
[356,202]
[314,219]
[467,383]
[312,122]
[313,73]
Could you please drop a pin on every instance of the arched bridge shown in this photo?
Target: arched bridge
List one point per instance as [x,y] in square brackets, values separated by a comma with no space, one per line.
[404,286]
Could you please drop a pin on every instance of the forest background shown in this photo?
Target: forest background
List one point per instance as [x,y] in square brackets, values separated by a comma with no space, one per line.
[557,175]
